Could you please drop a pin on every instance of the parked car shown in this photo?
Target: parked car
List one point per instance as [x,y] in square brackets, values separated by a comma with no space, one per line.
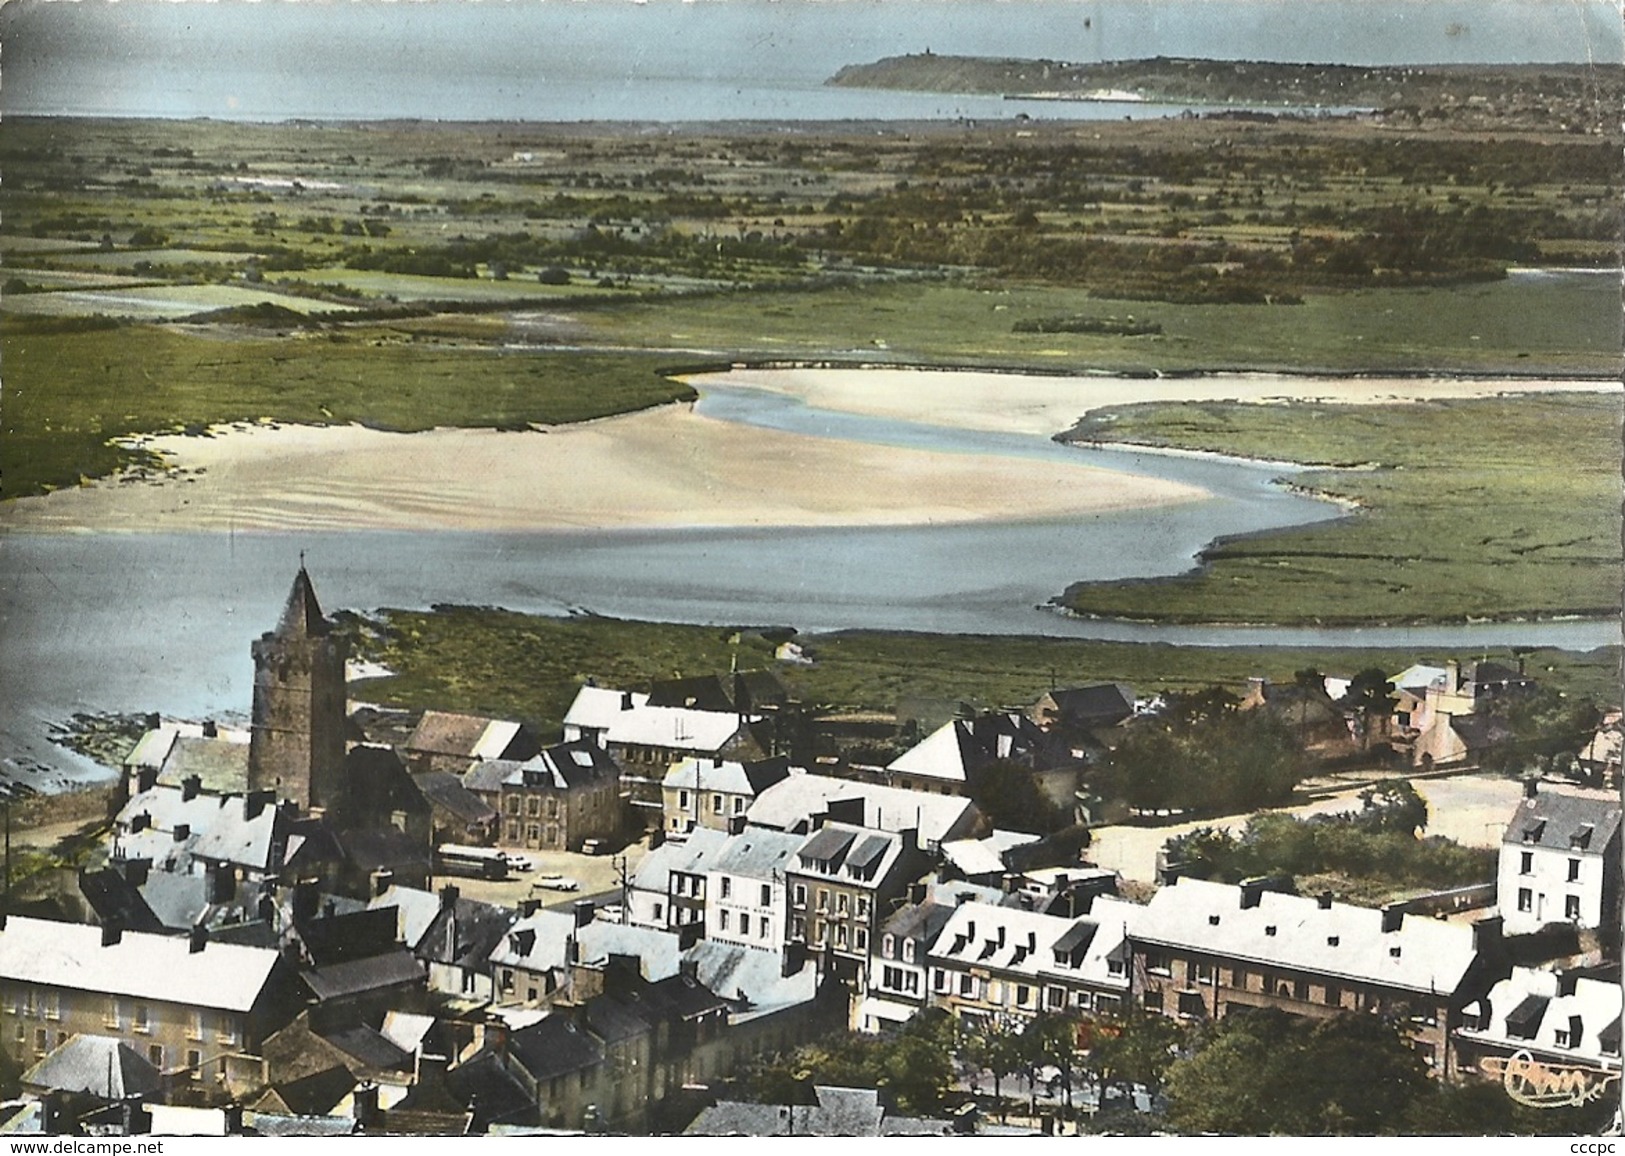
[562,884]
[518,862]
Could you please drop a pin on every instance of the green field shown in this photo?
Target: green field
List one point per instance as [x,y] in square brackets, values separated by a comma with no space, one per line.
[67,394]
[157,301]
[1485,508]
[464,658]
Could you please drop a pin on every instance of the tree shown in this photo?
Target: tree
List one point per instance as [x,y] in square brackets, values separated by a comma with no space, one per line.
[1005,792]
[1052,1041]
[1263,1071]
[1371,697]
[1392,806]
[1137,1047]
[995,1049]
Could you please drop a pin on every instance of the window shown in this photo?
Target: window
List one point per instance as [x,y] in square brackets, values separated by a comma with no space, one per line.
[1054,998]
[1571,907]
[1114,967]
[908,951]
[42,1040]
[1574,870]
[143,1019]
[1334,995]
[863,907]
[739,804]
[744,923]
[226,1030]
[801,895]
[840,935]
[155,1056]
[767,895]
[939,982]
[110,1016]
[842,902]
[727,887]
[194,1025]
[892,977]
[798,928]
[823,899]
[1202,972]
[1024,995]
[1080,1000]
[511,804]
[660,911]
[682,800]
[1190,1003]
[1153,1000]
[1107,1004]
[194,1063]
[722,920]
[1156,961]
[1526,899]
[52,1004]
[716,804]
[1526,862]
[860,939]
[533,805]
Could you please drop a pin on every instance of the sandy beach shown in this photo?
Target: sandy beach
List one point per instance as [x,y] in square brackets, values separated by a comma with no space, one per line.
[671,467]
[1031,404]
[659,468]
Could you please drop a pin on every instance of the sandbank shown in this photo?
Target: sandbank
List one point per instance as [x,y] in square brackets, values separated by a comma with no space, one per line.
[668,467]
[1046,405]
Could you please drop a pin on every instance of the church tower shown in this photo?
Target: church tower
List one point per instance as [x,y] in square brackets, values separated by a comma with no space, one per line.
[296,743]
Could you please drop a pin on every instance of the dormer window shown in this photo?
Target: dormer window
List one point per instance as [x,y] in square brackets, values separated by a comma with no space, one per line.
[1581,839]
[888,946]
[1533,831]
[908,951]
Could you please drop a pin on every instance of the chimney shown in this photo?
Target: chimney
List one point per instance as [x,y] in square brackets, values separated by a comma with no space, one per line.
[1324,900]
[182,832]
[111,933]
[1531,787]
[146,778]
[583,909]
[190,786]
[1567,981]
[626,700]
[382,880]
[211,730]
[233,1119]
[736,824]
[448,897]
[1393,918]
[1452,676]
[139,823]
[197,938]
[254,802]
[916,893]
[1252,892]
[135,871]
[529,907]
[222,882]
[1487,934]
[430,1071]
[689,969]
[366,1105]
[304,899]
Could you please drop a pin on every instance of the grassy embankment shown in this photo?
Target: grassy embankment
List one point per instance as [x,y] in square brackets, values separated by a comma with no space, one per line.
[464,658]
[1484,508]
[67,394]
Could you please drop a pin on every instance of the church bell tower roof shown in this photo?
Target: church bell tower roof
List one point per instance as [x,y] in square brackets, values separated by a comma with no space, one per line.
[302,616]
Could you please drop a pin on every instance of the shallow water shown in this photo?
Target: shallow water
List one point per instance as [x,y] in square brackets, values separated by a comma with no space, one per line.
[138,621]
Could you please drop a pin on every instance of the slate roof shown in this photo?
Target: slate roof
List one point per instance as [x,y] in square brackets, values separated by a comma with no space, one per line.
[1528,1010]
[838,1112]
[694,855]
[629,718]
[116,900]
[564,766]
[385,848]
[789,804]
[850,855]
[1099,704]
[755,853]
[735,971]
[1291,931]
[452,794]
[106,1068]
[302,614]
[143,966]
[464,934]
[218,828]
[463,735]
[725,775]
[221,764]
[370,1048]
[554,1046]
[356,976]
[494,1094]
[486,775]
[976,857]
[313,1095]
[277,1124]
[1557,819]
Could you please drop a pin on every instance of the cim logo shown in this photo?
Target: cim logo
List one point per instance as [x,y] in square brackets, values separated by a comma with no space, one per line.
[1541,1085]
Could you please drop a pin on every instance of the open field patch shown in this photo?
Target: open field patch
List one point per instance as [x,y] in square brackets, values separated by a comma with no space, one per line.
[157,301]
